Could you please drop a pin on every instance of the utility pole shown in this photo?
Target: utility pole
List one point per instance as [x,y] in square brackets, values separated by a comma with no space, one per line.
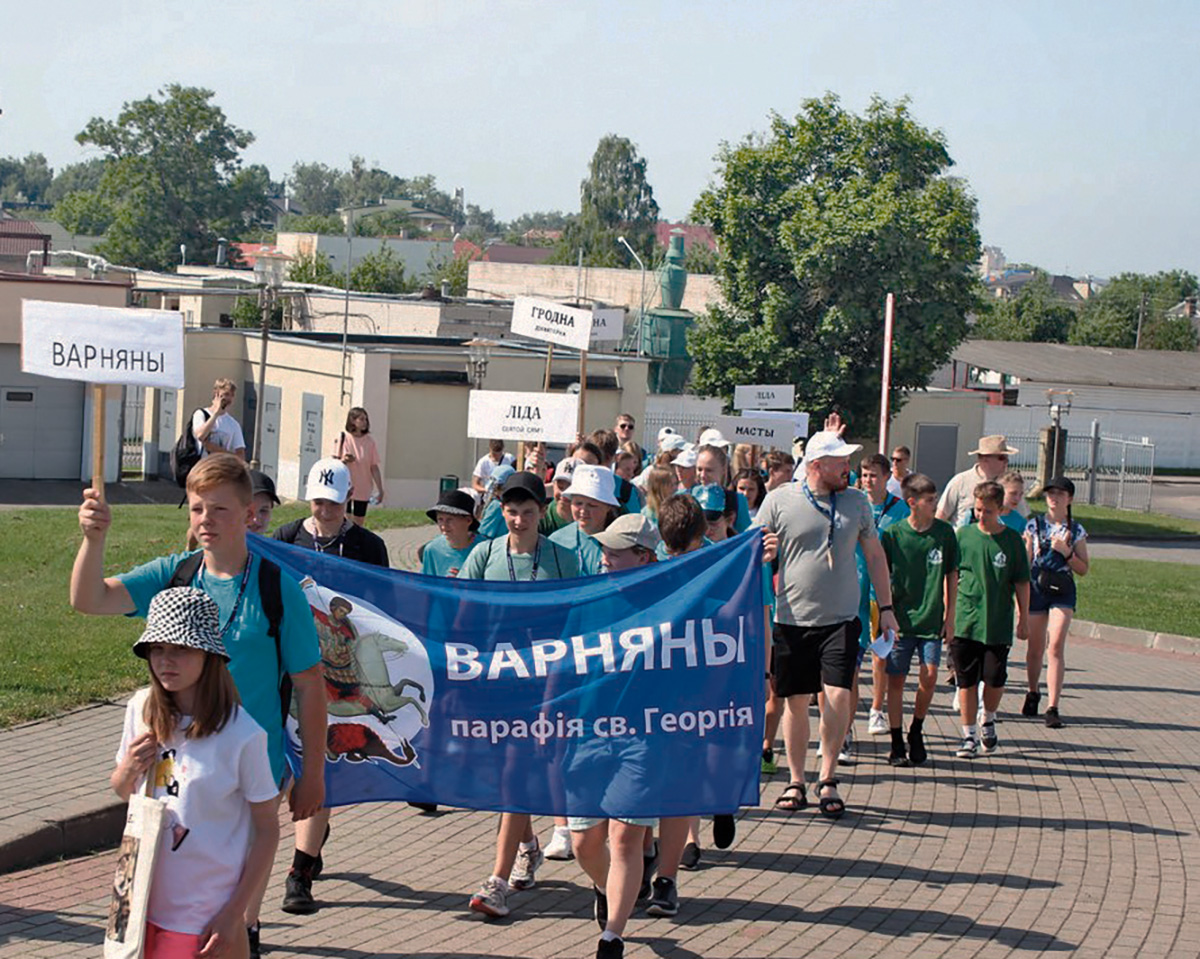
[1137,345]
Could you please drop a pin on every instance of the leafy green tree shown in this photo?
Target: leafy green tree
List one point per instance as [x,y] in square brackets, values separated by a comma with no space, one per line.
[380,272]
[548,221]
[699,258]
[817,221]
[247,314]
[316,269]
[1034,315]
[85,211]
[361,185]
[172,178]
[75,177]
[1110,317]
[312,223]
[385,223]
[315,188]
[615,200]
[456,270]
[25,180]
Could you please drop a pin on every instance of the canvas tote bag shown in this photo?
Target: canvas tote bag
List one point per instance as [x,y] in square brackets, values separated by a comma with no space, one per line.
[144,821]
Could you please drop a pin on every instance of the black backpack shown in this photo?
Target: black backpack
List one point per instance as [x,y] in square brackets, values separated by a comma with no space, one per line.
[271,593]
[184,454]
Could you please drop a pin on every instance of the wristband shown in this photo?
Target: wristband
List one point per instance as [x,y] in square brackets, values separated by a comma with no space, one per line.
[886,608]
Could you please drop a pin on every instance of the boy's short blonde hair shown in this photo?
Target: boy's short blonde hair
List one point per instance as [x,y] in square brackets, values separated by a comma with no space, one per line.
[221,469]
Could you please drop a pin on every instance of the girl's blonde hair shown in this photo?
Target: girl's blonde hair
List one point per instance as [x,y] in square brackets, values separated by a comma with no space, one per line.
[216,700]
[661,485]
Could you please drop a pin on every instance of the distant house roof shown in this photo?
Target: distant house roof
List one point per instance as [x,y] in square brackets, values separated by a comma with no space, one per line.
[249,251]
[468,249]
[693,234]
[1059,363]
[509,253]
[20,237]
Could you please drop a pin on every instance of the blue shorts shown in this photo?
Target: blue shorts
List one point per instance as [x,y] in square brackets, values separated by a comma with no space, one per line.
[899,660]
[1040,602]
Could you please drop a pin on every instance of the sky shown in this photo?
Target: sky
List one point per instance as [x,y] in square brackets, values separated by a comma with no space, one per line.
[1074,123]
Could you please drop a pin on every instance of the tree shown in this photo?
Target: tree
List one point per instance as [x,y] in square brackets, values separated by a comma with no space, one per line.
[816,223]
[1034,315]
[316,269]
[25,180]
[550,221]
[615,200]
[312,223]
[1110,317]
[385,223]
[315,188]
[85,212]
[456,270]
[380,272]
[362,185]
[172,178]
[247,314]
[75,177]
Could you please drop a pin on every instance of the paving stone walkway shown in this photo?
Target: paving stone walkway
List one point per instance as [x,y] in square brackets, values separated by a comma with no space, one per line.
[1081,840]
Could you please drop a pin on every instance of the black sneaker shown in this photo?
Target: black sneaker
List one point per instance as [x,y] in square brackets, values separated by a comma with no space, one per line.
[665,901]
[917,753]
[1053,720]
[600,910]
[1030,707]
[691,856]
[429,808]
[253,935]
[987,737]
[897,757]
[724,830]
[297,897]
[610,949]
[649,864]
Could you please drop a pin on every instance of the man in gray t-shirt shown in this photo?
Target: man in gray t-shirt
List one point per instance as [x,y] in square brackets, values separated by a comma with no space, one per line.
[814,526]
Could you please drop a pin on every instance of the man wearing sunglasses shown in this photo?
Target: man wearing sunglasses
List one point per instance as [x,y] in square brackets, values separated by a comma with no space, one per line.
[991,460]
[901,461]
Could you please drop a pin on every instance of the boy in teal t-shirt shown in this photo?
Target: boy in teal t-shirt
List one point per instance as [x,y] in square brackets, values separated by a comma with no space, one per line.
[454,513]
[993,574]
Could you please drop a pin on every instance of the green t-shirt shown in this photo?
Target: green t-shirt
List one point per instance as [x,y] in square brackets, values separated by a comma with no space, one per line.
[989,567]
[919,562]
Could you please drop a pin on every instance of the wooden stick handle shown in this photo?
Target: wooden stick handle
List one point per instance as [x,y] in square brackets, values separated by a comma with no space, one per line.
[98,439]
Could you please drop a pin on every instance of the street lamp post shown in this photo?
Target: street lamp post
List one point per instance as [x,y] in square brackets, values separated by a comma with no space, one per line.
[268,271]
[642,302]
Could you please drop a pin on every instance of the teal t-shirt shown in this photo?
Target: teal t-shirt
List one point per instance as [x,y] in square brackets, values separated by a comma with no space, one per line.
[442,559]
[587,551]
[252,660]
[1014,520]
[491,523]
[489,560]
[891,510]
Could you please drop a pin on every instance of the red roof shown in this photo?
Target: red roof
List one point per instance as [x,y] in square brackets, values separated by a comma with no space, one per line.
[693,234]
[468,249]
[248,251]
[19,237]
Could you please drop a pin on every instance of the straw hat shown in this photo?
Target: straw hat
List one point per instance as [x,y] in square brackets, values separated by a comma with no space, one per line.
[995,445]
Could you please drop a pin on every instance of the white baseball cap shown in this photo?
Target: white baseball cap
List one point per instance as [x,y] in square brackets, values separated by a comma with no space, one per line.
[328,479]
[686,457]
[713,437]
[672,443]
[565,470]
[828,443]
[595,482]
[664,433]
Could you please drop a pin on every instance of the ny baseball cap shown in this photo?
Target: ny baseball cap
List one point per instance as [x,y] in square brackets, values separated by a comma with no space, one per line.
[328,479]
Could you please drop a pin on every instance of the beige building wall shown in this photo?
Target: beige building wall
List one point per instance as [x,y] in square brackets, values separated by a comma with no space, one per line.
[965,409]
[594,284]
[17,287]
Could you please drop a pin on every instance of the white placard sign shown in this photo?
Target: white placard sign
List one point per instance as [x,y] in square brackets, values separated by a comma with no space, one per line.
[102,344]
[799,421]
[608,324]
[780,397]
[552,322]
[761,431]
[496,414]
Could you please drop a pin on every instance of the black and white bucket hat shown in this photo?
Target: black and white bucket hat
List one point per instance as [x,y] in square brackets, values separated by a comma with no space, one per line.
[184,616]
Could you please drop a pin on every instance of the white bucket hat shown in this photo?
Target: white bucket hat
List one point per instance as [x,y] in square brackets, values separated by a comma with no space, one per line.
[828,443]
[594,482]
[328,479]
[713,437]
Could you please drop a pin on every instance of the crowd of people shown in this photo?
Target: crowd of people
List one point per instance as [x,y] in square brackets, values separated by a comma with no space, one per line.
[864,560]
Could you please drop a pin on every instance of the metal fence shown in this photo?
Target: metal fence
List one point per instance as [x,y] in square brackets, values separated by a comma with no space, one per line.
[1111,471]
[132,419]
[688,425]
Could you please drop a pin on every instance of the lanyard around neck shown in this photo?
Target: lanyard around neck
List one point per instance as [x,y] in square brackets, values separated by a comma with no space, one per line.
[830,514]
[237,603]
[512,572]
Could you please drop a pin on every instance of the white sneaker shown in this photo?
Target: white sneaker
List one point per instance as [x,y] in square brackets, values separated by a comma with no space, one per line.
[559,847]
[492,898]
[969,748]
[877,724]
[846,755]
[525,867]
[954,702]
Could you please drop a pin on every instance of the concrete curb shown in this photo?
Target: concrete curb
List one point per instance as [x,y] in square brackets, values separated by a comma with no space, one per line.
[1137,638]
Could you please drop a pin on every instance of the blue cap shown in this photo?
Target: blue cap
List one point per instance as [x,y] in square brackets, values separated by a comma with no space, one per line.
[711,499]
[499,475]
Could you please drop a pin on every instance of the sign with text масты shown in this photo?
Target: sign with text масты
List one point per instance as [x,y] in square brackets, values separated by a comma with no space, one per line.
[552,322]
[102,344]
[758,431]
[780,397]
[537,417]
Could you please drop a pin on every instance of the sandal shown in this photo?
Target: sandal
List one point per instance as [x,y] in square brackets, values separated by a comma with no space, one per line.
[832,807]
[793,798]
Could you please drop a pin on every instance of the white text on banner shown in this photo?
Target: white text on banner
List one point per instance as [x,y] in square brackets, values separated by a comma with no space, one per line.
[102,344]
[539,417]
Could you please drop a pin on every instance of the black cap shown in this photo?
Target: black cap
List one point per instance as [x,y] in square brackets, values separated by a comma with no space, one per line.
[457,503]
[522,485]
[1062,483]
[260,482]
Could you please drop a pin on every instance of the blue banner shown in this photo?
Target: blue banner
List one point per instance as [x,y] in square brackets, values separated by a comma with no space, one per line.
[632,694]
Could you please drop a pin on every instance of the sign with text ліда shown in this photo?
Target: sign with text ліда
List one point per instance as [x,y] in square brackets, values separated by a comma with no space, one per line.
[537,417]
[759,431]
[608,324]
[552,322]
[780,397]
[102,344]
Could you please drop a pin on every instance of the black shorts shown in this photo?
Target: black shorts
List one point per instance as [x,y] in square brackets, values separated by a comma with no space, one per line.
[357,507]
[805,657]
[975,661]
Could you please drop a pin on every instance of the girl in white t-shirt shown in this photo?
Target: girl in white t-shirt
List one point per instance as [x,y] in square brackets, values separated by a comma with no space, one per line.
[209,762]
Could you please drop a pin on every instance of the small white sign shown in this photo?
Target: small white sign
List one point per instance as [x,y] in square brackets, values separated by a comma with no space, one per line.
[760,431]
[552,322]
[496,414]
[799,421]
[780,397]
[102,344]
[608,325]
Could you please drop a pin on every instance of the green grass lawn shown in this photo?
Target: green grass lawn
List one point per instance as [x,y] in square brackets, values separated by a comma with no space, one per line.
[1105,521]
[55,659]
[1142,594]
